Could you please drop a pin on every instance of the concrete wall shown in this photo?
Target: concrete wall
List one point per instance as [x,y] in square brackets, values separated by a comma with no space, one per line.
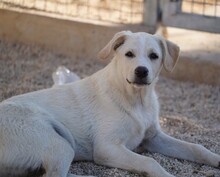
[82,39]
[200,56]
[196,70]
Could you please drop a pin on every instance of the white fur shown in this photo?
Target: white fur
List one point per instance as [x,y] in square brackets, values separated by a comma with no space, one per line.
[102,118]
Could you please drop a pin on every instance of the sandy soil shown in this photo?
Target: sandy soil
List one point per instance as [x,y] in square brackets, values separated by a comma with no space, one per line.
[188,111]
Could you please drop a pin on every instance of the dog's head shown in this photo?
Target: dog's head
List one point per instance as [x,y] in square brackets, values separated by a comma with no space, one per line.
[140,56]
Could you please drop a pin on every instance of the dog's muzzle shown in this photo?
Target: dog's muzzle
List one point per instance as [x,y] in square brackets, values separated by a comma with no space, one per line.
[141,74]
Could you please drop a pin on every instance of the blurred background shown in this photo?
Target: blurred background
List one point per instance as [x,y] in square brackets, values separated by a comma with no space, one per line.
[70,26]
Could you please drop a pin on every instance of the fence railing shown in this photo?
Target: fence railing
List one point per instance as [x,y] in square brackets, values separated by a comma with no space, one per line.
[203,15]
[209,8]
[193,14]
[117,11]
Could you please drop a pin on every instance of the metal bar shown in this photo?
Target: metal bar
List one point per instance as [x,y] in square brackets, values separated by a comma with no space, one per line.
[202,24]
[120,6]
[199,2]
[192,5]
[203,7]
[130,10]
[179,6]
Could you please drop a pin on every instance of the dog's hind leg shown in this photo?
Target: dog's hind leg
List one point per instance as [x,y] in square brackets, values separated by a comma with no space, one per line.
[58,158]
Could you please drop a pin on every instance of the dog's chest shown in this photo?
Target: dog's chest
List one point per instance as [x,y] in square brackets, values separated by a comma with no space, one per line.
[140,120]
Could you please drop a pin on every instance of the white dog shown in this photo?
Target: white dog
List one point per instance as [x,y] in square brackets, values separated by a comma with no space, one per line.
[101,118]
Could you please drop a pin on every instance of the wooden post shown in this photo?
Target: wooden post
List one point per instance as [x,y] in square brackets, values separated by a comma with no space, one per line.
[150,16]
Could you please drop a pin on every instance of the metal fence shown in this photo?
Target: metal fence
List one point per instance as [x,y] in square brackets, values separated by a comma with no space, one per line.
[192,14]
[202,15]
[118,11]
[209,8]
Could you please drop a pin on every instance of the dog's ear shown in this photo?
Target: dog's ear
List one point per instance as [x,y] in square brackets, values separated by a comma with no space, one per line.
[170,53]
[118,39]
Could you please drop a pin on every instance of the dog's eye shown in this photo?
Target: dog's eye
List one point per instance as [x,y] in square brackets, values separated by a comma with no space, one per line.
[153,56]
[129,54]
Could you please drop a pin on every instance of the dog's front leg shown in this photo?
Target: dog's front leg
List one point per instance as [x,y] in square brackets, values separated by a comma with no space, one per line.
[167,145]
[120,157]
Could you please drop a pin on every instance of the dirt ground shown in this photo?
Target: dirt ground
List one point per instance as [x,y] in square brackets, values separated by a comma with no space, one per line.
[189,111]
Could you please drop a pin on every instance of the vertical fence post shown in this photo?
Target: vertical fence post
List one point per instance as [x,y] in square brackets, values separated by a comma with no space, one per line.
[150,16]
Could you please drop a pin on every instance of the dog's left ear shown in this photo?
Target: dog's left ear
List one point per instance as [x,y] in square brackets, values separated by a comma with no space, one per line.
[170,53]
[118,39]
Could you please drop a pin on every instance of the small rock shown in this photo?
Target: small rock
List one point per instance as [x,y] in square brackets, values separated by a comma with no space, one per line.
[209,173]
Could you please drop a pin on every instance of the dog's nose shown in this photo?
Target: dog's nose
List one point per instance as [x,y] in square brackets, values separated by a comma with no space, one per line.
[141,72]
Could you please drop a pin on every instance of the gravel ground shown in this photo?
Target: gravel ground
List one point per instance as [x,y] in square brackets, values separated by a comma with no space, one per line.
[188,111]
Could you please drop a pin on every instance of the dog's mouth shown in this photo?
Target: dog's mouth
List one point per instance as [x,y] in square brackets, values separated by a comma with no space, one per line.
[138,82]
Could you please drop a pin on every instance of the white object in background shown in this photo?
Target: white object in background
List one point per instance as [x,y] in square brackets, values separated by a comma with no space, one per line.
[63,76]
